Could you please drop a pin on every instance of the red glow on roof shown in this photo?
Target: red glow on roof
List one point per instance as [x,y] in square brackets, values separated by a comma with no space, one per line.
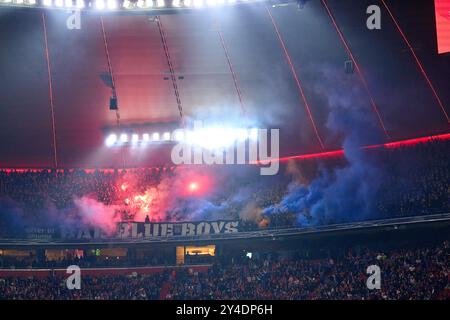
[396,144]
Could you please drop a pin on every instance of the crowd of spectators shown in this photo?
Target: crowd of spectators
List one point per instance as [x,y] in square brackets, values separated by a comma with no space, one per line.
[406,274]
[421,274]
[108,287]
[415,182]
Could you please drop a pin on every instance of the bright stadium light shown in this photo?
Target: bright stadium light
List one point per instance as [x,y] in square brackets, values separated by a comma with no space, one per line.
[80,4]
[146,137]
[100,4]
[19,1]
[141,3]
[59,3]
[179,135]
[126,4]
[176,3]
[134,138]
[31,2]
[47,3]
[112,4]
[123,138]
[155,136]
[187,3]
[254,134]
[241,134]
[112,138]
[68,3]
[160,3]
[166,136]
[211,3]
[198,3]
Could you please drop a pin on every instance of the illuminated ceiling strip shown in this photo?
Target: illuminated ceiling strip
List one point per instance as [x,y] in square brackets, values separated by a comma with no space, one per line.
[341,152]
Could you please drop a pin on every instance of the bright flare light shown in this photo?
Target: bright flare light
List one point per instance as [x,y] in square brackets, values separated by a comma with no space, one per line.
[176,3]
[59,3]
[80,4]
[146,137]
[187,3]
[179,136]
[160,3]
[68,3]
[47,3]
[112,138]
[193,186]
[198,3]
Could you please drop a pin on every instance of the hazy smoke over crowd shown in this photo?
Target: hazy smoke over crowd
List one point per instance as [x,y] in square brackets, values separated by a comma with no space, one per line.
[315,195]
[344,193]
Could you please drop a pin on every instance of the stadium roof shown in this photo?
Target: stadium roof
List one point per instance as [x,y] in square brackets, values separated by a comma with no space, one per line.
[206,88]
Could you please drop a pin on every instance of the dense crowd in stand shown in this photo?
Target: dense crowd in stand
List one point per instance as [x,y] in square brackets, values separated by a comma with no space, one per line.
[418,180]
[10,262]
[108,287]
[419,273]
[406,274]
[415,181]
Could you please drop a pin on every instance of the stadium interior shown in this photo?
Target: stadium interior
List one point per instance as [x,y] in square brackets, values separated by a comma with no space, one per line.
[312,147]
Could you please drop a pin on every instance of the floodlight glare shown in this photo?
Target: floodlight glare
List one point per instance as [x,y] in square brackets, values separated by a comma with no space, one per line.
[166,136]
[135,138]
[123,138]
[146,137]
[155,136]
[254,134]
[100,4]
[112,4]
[112,138]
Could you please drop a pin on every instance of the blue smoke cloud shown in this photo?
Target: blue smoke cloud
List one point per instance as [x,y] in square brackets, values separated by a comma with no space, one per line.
[340,194]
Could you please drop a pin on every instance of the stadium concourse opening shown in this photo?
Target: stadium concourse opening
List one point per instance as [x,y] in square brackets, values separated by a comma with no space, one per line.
[99,101]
